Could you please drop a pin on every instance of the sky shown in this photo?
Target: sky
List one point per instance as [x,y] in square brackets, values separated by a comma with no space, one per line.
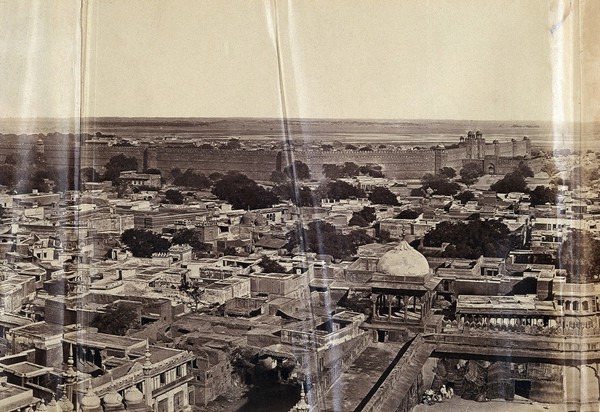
[426,59]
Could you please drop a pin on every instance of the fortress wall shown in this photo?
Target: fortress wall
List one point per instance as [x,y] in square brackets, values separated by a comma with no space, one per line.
[505,149]
[60,156]
[404,164]
[97,156]
[401,164]
[255,164]
[521,148]
[490,150]
[454,158]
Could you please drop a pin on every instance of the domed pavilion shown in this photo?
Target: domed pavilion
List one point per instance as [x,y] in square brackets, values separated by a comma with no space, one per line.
[402,292]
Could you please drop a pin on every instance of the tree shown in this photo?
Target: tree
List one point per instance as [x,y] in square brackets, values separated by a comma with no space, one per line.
[448,172]
[191,179]
[7,175]
[366,149]
[350,169]
[383,196]
[143,243]
[277,177]
[579,255]
[322,238]
[340,190]
[511,182]
[243,193]
[301,196]
[469,173]
[332,171]
[371,169]
[542,195]
[439,184]
[524,170]
[193,291]
[409,214]
[174,197]
[350,147]
[367,213]
[360,237]
[358,220]
[268,265]
[297,171]
[464,197]
[473,239]
[118,164]
[117,319]
[214,176]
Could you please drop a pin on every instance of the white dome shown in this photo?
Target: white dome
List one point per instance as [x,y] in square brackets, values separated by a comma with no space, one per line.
[65,404]
[113,399]
[133,396]
[53,406]
[90,400]
[403,260]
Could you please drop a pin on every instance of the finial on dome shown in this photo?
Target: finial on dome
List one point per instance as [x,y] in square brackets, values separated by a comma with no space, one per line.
[147,355]
[403,233]
[70,360]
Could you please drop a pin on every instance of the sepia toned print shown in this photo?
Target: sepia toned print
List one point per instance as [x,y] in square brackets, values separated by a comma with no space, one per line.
[299,206]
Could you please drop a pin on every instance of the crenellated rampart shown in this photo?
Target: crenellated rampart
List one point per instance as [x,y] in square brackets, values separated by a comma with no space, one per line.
[496,157]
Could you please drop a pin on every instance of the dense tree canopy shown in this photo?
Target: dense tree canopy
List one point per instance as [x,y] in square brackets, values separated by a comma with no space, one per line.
[300,195]
[174,197]
[579,255]
[351,169]
[297,171]
[338,189]
[118,318]
[277,177]
[469,173]
[440,185]
[189,178]
[118,164]
[143,243]
[542,195]
[473,239]
[409,214]
[371,169]
[465,196]
[268,265]
[322,238]
[243,192]
[383,196]
[511,182]
[448,172]
[363,217]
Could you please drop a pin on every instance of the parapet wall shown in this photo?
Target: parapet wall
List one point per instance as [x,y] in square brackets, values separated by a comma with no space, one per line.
[259,164]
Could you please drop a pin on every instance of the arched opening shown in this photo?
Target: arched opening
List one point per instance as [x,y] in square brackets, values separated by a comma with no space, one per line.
[575,305]
[567,305]
[491,169]
[585,305]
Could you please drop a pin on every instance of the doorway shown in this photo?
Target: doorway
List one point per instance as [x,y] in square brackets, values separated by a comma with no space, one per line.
[522,388]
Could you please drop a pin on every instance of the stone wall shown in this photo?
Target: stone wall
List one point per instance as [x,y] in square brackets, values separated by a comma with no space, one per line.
[259,164]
